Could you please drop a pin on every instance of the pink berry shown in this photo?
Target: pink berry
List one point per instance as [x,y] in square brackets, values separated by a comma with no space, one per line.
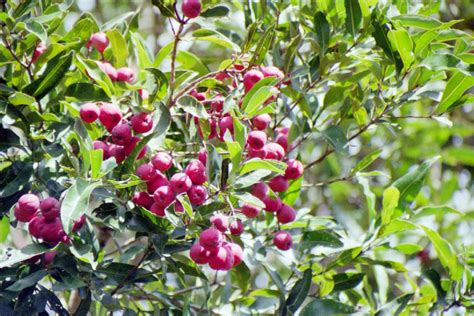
[125,74]
[262,121]
[222,259]
[283,240]
[237,252]
[202,156]
[256,139]
[142,199]
[191,8]
[121,134]
[146,172]
[199,254]
[178,207]
[39,50]
[23,216]
[260,190]
[97,144]
[198,95]
[221,222]
[163,196]
[294,169]
[272,204]
[143,93]
[180,183]
[278,184]
[50,208]
[196,171]
[236,228]
[99,41]
[282,140]
[36,225]
[49,257]
[251,78]
[252,153]
[272,71]
[211,239]
[52,231]
[130,146]
[249,210]
[110,115]
[78,223]
[158,210]
[142,122]
[274,151]
[29,203]
[217,105]
[286,214]
[197,194]
[108,69]
[226,124]
[117,152]
[162,161]
[157,182]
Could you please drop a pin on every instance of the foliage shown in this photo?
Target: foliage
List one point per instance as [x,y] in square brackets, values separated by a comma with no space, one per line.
[378,107]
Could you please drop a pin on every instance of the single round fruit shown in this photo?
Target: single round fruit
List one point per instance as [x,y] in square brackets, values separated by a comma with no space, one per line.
[143,199]
[237,252]
[222,259]
[283,240]
[108,69]
[197,194]
[163,196]
[117,152]
[272,71]
[159,181]
[221,222]
[198,95]
[180,182]
[286,214]
[141,122]
[196,171]
[121,134]
[146,172]
[89,112]
[158,210]
[272,204]
[202,156]
[282,140]
[22,215]
[99,41]
[260,190]
[109,115]
[274,151]
[36,225]
[191,8]
[256,139]
[236,228]
[125,74]
[29,203]
[249,210]
[211,239]
[278,184]
[262,121]
[162,161]
[50,208]
[252,153]
[251,78]
[226,124]
[52,231]
[294,169]
[199,254]
[97,144]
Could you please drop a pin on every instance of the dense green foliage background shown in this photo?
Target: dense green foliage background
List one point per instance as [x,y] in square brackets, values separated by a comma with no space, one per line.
[379,106]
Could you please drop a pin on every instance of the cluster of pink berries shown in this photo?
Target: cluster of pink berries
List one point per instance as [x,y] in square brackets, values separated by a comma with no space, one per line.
[162,192]
[43,217]
[100,42]
[122,139]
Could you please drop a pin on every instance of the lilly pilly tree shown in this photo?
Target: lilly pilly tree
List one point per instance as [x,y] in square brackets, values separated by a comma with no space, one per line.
[272,158]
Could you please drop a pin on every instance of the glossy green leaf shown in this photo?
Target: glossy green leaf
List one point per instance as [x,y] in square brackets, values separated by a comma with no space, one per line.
[402,41]
[299,292]
[322,30]
[455,88]
[389,203]
[119,48]
[367,161]
[353,17]
[258,164]
[324,238]
[326,307]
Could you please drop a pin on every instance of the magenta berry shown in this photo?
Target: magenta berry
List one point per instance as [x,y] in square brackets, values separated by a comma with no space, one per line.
[178,207]
[121,134]
[226,124]
[99,41]
[130,146]
[249,210]
[159,181]
[89,112]
[211,239]
[283,240]
[262,121]
[260,190]
[39,50]
[198,95]
[196,171]
[141,122]
[278,184]
[253,153]
[146,172]
[222,259]
[272,204]
[197,194]
[180,182]
[97,144]
[294,169]
[274,151]
[199,254]
[52,231]
[282,140]
[251,78]
[286,214]
[49,257]
[236,228]
[272,71]
[109,70]
[162,161]
[163,196]
[202,156]
[36,225]
[125,74]
[237,253]
[142,199]
[78,223]
[256,139]
[158,210]
[117,152]
[29,203]
[221,222]
[109,115]
[191,8]
[50,208]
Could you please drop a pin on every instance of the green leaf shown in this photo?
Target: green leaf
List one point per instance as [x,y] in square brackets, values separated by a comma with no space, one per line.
[420,21]
[10,258]
[322,30]
[76,202]
[325,238]
[445,252]
[4,229]
[18,183]
[81,31]
[346,281]
[299,292]
[119,48]
[401,39]
[263,45]
[440,62]
[189,61]
[367,161]
[27,281]
[38,30]
[353,16]
[53,74]
[408,249]
[435,210]
[455,88]
[265,82]
[381,39]
[336,137]
[165,6]
[256,101]
[326,307]
[396,226]
[389,202]
[258,164]
[395,307]
[292,194]
[96,157]
[410,184]
[248,198]
[193,107]
[216,12]
[83,91]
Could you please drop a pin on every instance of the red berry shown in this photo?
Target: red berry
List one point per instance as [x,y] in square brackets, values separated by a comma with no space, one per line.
[217,105]
[178,207]
[99,41]
[283,240]
[256,139]
[199,254]
[278,184]
[97,144]
[202,156]
[36,225]
[159,181]
[108,69]
[143,199]
[89,112]
[272,71]
[196,171]
[251,78]
[146,172]
[236,252]
[78,223]
[262,121]
[158,210]
[180,183]
[39,50]
[249,210]
[121,134]
[49,257]
[274,151]
[191,8]
[142,122]
[226,124]
[222,259]
[282,140]
[50,208]
[52,231]
[130,146]
[162,161]
[29,203]
[210,239]
[272,204]
[294,169]
[117,152]
[163,196]
[221,222]
[252,153]
[198,95]
[109,115]
[260,190]
[125,74]
[286,214]
[236,228]
[197,194]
